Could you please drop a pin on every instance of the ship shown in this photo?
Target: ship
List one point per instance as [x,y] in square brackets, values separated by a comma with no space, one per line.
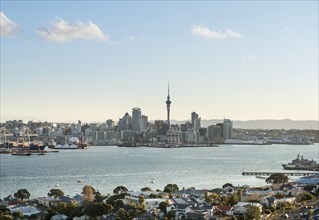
[301,164]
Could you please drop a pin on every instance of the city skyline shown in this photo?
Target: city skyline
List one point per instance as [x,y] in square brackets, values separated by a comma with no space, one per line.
[97,60]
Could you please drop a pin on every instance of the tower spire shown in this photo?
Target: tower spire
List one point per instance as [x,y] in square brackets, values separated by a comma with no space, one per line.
[168,106]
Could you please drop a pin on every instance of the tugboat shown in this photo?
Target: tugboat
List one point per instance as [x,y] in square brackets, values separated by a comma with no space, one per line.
[301,164]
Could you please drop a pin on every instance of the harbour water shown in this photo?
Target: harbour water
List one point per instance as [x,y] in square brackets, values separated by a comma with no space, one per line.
[105,167]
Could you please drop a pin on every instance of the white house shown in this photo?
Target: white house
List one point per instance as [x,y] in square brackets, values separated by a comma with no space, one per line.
[26,210]
[47,201]
[241,207]
[150,204]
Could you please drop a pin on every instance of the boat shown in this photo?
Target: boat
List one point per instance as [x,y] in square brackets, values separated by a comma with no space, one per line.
[66,147]
[5,151]
[301,164]
[21,153]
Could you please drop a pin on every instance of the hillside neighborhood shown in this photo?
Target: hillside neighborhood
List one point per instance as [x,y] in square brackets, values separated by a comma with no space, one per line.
[279,199]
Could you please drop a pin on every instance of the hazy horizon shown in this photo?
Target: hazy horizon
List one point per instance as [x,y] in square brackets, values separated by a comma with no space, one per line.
[90,61]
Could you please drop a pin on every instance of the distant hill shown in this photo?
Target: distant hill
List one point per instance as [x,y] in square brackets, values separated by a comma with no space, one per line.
[263,124]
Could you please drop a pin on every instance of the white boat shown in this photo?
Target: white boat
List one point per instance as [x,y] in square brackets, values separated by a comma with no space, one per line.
[66,147]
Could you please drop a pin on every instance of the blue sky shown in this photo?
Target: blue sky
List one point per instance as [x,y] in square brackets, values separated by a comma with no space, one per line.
[94,60]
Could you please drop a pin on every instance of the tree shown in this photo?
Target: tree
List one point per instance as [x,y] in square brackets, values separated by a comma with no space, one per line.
[253,212]
[146,189]
[305,197]
[55,193]
[141,201]
[99,197]
[280,196]
[97,209]
[22,194]
[171,188]
[163,205]
[120,189]
[277,178]
[212,198]
[88,194]
[170,215]
[233,199]
[123,214]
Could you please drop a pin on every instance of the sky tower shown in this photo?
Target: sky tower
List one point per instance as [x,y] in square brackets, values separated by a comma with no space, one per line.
[168,105]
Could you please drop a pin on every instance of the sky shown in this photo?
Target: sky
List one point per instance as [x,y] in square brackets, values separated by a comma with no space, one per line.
[96,60]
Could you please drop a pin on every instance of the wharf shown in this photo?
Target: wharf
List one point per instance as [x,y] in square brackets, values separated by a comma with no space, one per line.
[263,173]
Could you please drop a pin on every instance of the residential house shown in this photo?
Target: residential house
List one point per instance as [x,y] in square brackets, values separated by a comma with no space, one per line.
[47,201]
[242,207]
[198,214]
[150,204]
[287,199]
[268,201]
[185,193]
[224,210]
[26,210]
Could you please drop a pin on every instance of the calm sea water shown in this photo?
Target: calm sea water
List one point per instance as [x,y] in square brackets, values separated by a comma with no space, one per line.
[107,167]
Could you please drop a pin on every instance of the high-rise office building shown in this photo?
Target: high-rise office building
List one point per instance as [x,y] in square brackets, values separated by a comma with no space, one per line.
[227,129]
[195,120]
[144,123]
[125,123]
[136,120]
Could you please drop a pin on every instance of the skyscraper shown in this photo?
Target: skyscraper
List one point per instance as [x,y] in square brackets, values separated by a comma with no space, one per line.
[137,119]
[195,121]
[228,129]
[168,105]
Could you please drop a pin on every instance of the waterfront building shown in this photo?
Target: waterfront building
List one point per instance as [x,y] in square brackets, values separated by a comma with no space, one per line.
[186,126]
[136,120]
[190,136]
[127,135]
[213,132]
[221,126]
[111,136]
[173,135]
[227,129]
[202,134]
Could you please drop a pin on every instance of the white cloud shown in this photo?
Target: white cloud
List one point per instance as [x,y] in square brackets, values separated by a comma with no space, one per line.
[203,31]
[7,27]
[232,33]
[247,57]
[62,31]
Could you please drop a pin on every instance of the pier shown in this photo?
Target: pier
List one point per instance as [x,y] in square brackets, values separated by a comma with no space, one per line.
[263,173]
